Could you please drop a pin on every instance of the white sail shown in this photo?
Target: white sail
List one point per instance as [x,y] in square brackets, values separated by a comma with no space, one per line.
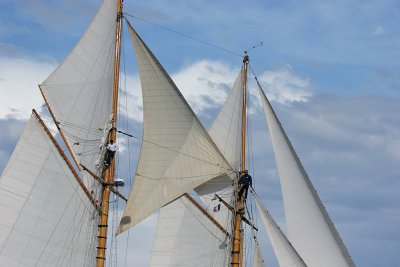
[226,128]
[285,253]
[309,227]
[226,133]
[79,91]
[186,237]
[47,220]
[258,260]
[177,154]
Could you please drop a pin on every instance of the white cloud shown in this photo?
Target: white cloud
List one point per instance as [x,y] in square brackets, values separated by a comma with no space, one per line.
[285,86]
[205,84]
[19,78]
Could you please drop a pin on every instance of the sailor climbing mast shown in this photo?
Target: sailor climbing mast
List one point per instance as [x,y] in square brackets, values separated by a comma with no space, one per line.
[237,244]
[109,171]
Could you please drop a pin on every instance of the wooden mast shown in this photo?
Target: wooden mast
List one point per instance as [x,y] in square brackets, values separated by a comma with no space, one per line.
[108,173]
[237,246]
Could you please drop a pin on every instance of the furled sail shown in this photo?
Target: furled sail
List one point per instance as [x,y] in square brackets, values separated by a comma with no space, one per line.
[258,260]
[186,237]
[309,227]
[79,91]
[47,219]
[285,253]
[177,154]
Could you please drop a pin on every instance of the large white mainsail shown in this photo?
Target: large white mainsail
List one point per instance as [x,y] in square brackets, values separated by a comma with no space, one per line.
[177,153]
[309,227]
[79,91]
[286,255]
[47,218]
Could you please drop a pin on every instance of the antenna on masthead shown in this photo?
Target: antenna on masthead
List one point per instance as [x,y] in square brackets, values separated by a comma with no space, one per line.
[251,48]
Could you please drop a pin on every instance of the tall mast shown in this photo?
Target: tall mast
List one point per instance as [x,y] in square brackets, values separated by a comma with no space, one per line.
[108,173]
[237,245]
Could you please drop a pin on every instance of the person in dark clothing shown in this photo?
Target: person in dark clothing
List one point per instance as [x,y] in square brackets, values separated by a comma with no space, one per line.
[245,181]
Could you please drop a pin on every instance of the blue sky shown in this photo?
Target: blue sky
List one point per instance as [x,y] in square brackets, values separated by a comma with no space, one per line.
[331,69]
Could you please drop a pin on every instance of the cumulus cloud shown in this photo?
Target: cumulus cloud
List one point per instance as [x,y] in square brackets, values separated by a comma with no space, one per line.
[285,86]
[205,84]
[19,78]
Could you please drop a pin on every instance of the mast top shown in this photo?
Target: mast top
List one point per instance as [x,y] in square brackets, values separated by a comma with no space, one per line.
[245,57]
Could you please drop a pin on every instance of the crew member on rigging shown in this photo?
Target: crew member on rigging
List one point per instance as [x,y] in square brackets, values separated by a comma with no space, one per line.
[110,152]
[245,181]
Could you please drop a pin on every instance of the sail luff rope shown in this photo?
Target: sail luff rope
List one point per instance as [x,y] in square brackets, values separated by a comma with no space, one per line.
[184,35]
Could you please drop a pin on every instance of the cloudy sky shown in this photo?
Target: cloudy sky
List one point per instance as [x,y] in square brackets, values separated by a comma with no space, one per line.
[331,69]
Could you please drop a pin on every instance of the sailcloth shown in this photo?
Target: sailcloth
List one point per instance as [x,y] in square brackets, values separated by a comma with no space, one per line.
[79,91]
[177,154]
[286,255]
[258,260]
[46,218]
[225,131]
[186,237]
[309,227]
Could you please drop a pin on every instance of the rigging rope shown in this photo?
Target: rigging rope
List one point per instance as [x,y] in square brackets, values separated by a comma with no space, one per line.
[184,35]
[178,152]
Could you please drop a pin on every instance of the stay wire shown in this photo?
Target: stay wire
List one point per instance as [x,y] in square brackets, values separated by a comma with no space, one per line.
[184,35]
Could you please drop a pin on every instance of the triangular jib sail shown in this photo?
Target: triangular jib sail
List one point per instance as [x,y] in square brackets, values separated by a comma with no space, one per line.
[309,227]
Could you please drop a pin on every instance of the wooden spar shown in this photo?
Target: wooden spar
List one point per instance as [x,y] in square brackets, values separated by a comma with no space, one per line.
[57,123]
[237,253]
[108,173]
[101,181]
[211,218]
[62,154]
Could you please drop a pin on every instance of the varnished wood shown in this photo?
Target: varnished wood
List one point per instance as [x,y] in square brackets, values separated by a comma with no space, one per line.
[211,218]
[101,181]
[108,173]
[237,242]
[57,123]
